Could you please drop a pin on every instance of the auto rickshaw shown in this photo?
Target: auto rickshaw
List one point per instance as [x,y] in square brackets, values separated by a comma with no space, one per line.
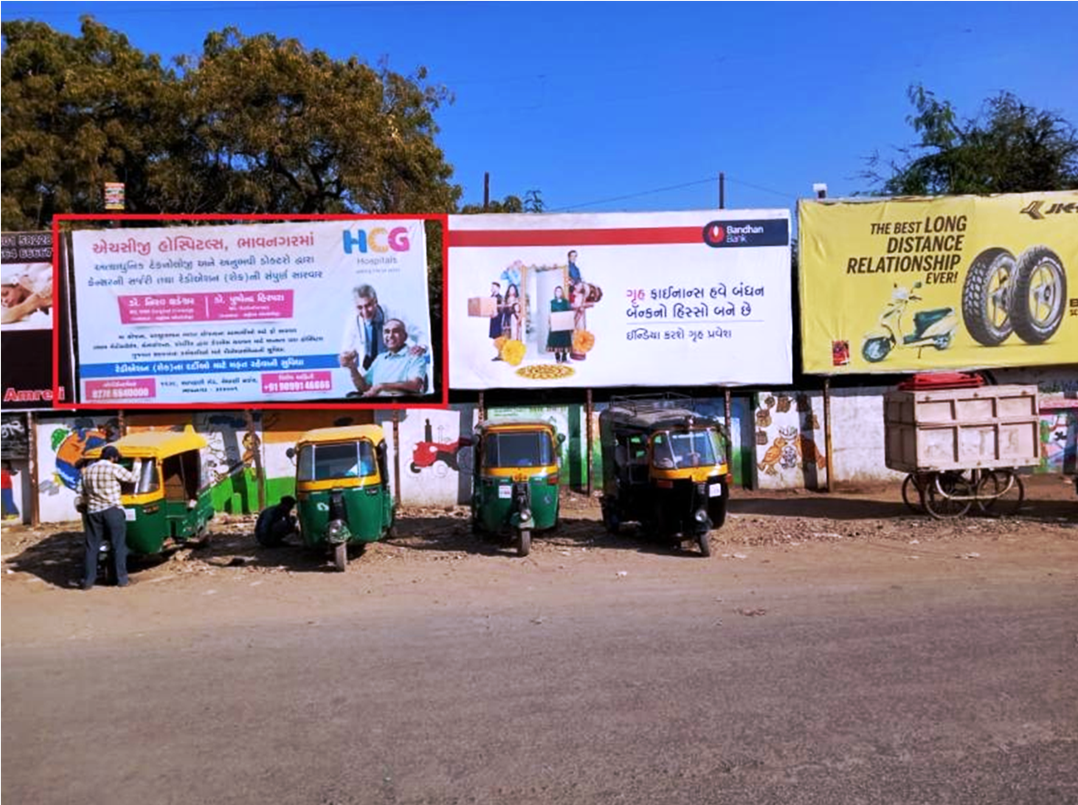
[169,505]
[515,479]
[664,467]
[342,488]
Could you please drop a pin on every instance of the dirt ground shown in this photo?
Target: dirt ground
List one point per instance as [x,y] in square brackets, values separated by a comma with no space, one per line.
[433,548]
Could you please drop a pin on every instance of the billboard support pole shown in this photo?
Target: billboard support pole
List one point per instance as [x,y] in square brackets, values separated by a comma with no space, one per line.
[590,407]
[827,428]
[482,409]
[486,191]
[250,417]
[396,457]
[35,513]
[726,425]
[722,190]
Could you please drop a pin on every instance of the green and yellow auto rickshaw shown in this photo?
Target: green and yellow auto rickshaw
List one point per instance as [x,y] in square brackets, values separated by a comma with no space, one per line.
[169,505]
[515,479]
[342,488]
[665,467]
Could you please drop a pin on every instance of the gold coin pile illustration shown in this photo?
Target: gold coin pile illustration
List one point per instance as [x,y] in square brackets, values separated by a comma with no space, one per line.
[545,371]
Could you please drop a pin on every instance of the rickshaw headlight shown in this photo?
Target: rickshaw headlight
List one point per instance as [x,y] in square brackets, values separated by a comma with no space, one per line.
[525,514]
[700,516]
[334,529]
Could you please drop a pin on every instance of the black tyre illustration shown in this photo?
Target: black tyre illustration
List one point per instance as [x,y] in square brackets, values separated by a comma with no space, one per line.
[1040,294]
[986,297]
[876,349]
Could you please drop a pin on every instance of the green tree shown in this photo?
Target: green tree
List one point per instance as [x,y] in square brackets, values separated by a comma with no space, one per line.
[255,124]
[278,128]
[532,202]
[77,112]
[1008,148]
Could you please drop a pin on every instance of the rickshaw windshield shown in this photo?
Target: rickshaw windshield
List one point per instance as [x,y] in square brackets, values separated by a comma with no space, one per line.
[146,470]
[672,450]
[518,449]
[327,462]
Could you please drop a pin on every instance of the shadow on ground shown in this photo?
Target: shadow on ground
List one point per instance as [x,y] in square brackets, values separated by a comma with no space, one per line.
[454,534]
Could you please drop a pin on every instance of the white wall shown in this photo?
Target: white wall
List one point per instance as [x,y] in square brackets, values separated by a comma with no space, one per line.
[857,436]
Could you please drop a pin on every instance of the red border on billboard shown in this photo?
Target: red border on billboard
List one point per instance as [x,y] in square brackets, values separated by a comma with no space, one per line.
[635,236]
[339,405]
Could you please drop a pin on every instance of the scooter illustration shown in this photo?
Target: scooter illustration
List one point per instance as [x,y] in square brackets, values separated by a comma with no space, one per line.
[931,328]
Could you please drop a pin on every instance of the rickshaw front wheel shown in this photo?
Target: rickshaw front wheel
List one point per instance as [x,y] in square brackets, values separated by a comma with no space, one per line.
[704,543]
[524,543]
[340,556]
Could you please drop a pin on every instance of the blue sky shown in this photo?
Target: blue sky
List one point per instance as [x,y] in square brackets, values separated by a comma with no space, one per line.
[603,107]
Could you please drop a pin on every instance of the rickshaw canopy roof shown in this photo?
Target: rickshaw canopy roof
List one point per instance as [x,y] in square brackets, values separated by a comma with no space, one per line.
[649,419]
[155,444]
[349,433]
[514,425]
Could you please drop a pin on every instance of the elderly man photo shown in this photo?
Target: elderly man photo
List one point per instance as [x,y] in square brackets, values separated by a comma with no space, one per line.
[363,332]
[26,296]
[395,371]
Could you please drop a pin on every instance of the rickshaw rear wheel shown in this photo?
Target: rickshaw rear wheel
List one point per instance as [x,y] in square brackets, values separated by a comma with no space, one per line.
[340,556]
[524,542]
[704,543]
[610,520]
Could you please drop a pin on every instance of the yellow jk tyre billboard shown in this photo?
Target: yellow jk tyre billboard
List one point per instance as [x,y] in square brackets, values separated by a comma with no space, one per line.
[923,284]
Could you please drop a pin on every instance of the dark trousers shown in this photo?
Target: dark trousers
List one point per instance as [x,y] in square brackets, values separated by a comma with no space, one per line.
[112,525]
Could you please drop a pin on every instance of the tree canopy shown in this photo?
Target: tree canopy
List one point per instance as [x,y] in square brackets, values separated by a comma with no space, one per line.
[255,124]
[1008,148]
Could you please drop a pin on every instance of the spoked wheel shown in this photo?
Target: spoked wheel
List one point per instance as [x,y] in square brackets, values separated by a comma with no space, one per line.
[912,493]
[704,543]
[941,491]
[524,542]
[340,556]
[1000,493]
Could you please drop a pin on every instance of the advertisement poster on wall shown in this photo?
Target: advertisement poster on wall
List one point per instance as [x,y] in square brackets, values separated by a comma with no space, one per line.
[628,299]
[26,304]
[270,312]
[921,284]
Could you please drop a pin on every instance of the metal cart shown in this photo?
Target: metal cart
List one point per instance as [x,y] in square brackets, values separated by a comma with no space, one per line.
[962,447]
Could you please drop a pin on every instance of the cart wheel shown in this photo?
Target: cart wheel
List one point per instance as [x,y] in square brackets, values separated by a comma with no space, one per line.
[704,543]
[1000,493]
[940,491]
[912,493]
[524,543]
[340,556]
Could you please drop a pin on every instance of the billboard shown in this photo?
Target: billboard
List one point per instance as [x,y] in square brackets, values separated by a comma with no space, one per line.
[921,284]
[309,311]
[629,299]
[26,303]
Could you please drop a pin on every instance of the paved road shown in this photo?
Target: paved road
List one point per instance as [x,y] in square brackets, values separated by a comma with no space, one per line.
[958,687]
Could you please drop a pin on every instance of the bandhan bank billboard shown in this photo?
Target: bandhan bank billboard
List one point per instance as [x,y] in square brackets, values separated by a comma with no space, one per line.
[630,299]
[204,315]
[923,284]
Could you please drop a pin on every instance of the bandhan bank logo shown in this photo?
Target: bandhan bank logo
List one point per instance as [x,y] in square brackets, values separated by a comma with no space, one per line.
[714,233]
[378,240]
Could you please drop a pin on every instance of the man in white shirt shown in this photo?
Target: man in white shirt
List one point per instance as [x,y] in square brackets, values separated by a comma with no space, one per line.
[364,333]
